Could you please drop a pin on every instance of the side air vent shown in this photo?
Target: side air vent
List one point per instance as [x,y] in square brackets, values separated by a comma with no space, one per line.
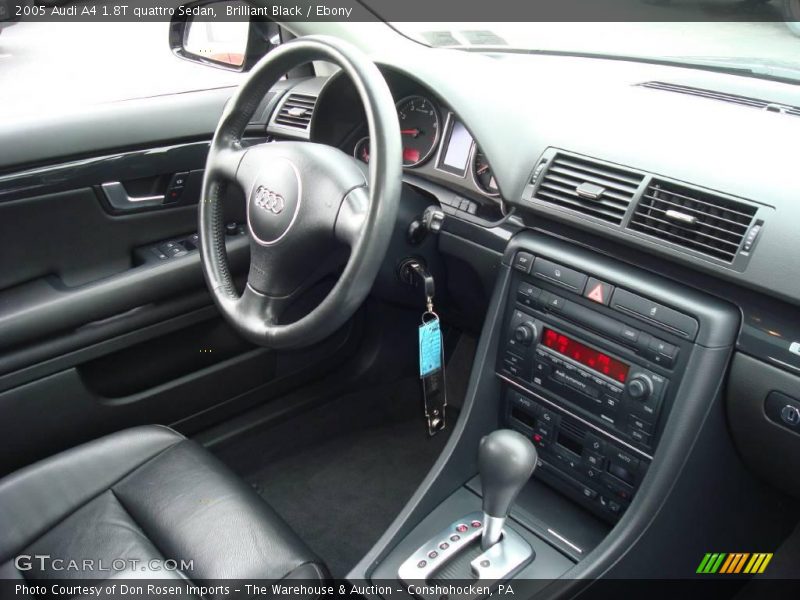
[697,220]
[756,103]
[296,111]
[587,186]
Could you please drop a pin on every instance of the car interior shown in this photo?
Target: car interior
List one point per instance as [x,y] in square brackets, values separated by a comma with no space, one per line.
[369,317]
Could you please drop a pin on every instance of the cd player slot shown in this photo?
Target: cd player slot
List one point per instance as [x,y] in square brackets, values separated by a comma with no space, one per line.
[650,347]
[601,324]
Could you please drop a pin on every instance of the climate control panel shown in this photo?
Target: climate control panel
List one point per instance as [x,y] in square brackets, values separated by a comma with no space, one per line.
[594,469]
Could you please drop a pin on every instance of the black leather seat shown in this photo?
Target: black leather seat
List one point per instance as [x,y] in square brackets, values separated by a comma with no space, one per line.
[141,494]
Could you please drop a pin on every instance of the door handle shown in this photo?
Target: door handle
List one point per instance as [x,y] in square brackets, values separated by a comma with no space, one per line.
[119,198]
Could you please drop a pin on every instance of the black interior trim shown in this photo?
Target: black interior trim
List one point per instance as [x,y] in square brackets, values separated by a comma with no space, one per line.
[40,308]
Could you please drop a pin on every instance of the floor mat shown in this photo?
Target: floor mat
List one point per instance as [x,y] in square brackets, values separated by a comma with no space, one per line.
[340,474]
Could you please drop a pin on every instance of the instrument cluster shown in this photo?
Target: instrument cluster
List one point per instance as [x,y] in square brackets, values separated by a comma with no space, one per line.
[436,142]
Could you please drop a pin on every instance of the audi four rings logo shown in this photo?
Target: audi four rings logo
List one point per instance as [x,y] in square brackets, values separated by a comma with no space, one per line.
[269,200]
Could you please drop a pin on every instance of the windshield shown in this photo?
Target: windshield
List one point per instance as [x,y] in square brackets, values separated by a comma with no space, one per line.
[770,48]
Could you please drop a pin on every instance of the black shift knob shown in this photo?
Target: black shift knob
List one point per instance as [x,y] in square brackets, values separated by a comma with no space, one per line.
[506,460]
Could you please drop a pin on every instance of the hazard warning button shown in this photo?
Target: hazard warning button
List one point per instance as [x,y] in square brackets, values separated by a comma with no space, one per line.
[598,291]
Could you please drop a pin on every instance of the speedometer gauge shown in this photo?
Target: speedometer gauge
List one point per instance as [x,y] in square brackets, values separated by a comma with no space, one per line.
[419,129]
[482,174]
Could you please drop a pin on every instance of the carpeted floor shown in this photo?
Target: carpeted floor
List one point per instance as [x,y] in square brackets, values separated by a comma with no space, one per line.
[341,473]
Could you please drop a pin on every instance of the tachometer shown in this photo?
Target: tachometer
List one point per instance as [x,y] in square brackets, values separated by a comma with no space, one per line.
[482,174]
[419,128]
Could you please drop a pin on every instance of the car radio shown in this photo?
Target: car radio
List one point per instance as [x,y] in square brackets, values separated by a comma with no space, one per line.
[591,389]
[618,394]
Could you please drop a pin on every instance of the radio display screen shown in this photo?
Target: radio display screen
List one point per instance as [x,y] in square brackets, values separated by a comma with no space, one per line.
[594,359]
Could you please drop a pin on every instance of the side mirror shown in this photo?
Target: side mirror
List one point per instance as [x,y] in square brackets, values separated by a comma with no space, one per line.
[220,33]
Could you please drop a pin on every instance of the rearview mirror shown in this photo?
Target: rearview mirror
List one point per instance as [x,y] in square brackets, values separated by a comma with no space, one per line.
[205,32]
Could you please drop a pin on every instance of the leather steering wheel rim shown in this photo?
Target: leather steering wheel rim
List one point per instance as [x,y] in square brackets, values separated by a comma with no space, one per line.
[363,217]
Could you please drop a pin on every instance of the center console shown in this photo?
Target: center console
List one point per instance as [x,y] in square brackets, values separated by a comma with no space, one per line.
[611,373]
[591,370]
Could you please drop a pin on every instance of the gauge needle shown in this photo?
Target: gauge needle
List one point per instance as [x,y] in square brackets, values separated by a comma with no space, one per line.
[414,132]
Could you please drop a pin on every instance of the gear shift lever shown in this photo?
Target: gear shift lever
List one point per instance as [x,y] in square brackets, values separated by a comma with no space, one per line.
[506,460]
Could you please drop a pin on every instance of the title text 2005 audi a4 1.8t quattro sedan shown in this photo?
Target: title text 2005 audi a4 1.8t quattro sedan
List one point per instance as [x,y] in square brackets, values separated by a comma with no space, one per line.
[394,306]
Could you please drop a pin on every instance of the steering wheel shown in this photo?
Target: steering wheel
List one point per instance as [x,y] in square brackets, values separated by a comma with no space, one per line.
[303,200]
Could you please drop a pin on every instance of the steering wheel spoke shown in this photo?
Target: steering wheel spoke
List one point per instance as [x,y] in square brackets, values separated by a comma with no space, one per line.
[260,310]
[226,161]
[352,214]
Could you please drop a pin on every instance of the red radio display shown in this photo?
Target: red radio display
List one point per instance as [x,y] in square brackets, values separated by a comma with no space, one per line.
[602,363]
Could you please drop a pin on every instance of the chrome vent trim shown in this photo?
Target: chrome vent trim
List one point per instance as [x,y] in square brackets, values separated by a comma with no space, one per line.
[296,111]
[693,219]
[587,186]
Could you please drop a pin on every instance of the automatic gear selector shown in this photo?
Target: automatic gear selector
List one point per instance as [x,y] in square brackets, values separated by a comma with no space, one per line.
[494,552]
[506,460]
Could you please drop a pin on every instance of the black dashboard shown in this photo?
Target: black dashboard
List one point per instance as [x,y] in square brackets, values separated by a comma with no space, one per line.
[740,231]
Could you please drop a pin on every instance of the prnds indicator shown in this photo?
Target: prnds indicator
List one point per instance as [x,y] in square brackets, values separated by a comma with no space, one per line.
[594,359]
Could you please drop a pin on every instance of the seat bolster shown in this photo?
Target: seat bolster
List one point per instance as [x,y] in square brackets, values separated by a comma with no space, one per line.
[37,497]
[195,509]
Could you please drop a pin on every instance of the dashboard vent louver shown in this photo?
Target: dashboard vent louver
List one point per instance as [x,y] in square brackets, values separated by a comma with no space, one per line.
[296,111]
[777,107]
[587,186]
[696,220]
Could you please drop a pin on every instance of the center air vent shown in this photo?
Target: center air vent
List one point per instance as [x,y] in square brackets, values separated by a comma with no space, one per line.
[296,111]
[587,186]
[707,223]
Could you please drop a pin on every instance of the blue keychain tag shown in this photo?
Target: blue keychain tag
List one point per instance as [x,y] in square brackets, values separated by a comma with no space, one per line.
[430,347]
[431,372]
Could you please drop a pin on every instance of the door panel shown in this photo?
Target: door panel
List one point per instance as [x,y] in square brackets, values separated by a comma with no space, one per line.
[155,382]
[69,259]
[102,325]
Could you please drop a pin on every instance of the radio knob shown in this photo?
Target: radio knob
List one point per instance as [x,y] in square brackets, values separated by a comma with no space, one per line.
[525,333]
[640,387]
